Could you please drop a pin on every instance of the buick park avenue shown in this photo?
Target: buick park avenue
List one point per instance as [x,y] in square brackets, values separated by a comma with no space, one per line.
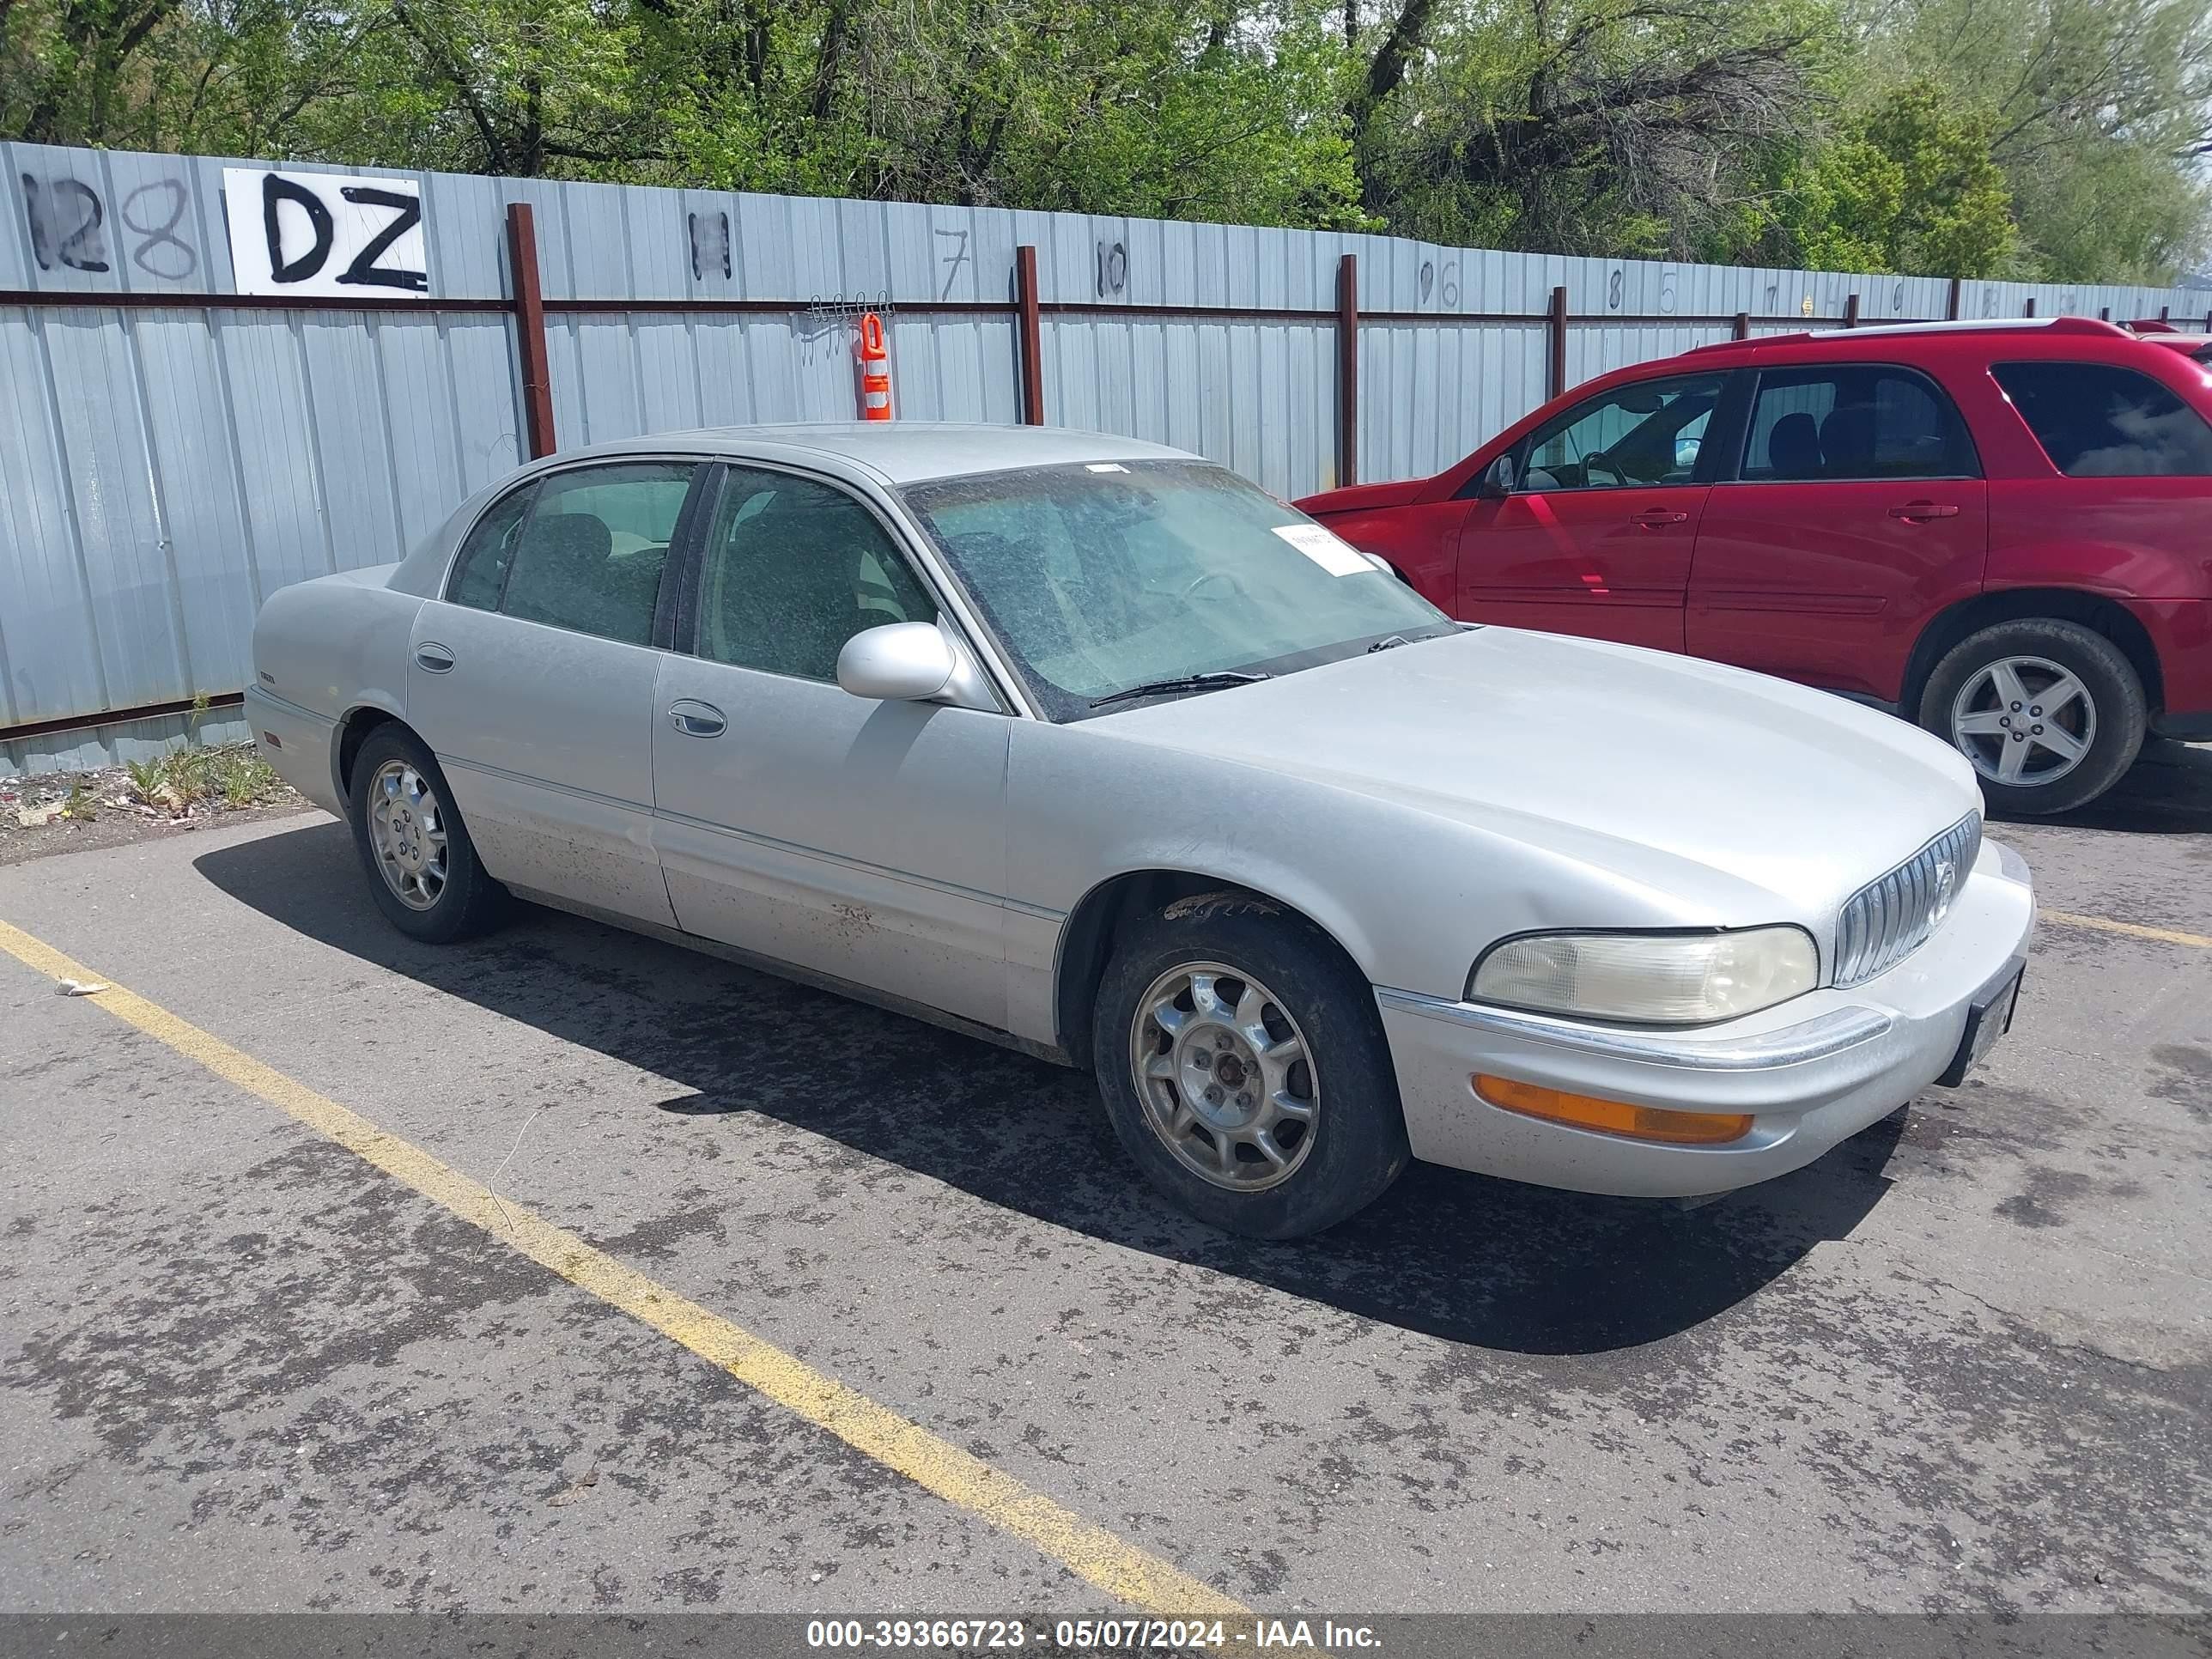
[1090,747]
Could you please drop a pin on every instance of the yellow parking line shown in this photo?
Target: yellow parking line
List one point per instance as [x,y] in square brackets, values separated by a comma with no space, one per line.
[2132,929]
[1116,1566]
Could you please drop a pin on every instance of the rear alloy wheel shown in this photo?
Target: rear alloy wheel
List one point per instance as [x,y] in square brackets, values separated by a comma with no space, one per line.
[1242,1060]
[2051,713]
[407,827]
[423,868]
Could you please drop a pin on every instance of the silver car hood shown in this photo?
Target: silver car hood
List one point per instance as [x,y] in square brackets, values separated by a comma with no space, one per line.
[1602,753]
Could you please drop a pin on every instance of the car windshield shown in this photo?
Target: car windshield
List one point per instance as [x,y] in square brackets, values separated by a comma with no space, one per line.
[1106,576]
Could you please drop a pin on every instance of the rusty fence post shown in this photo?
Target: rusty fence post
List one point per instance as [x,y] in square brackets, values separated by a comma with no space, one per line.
[1559,341]
[1852,311]
[530,329]
[1743,325]
[2030,311]
[1032,339]
[1952,312]
[1347,369]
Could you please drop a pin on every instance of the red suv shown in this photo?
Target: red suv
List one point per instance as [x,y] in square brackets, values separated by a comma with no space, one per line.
[2003,531]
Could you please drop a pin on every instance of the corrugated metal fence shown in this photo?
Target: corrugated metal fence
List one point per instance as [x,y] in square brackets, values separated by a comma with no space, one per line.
[167,459]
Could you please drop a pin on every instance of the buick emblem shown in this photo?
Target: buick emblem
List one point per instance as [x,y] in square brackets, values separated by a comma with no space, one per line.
[1946,880]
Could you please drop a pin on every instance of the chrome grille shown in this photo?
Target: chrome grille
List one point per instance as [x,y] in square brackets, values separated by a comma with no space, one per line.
[1888,918]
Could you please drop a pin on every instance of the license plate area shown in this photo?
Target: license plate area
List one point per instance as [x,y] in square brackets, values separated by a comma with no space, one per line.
[1987,1019]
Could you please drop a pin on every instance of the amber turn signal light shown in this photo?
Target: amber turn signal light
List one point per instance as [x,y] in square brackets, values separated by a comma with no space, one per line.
[1612,1117]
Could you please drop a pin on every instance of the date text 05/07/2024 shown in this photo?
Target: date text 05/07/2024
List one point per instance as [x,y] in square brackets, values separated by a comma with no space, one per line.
[1089,1635]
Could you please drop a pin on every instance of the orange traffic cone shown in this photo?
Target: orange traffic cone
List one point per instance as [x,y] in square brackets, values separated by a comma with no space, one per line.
[875,370]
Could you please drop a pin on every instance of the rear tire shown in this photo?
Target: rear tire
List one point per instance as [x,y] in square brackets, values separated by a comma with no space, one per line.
[423,868]
[1244,1066]
[2051,713]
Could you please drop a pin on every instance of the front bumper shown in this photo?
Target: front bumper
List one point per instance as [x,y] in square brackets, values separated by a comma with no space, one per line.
[1811,1072]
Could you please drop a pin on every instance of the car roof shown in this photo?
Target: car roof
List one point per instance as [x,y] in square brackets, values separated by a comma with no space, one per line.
[901,452]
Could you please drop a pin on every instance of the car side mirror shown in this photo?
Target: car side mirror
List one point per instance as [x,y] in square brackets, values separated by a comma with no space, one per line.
[898,662]
[1497,481]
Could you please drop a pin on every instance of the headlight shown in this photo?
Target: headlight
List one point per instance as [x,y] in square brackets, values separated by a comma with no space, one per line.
[1657,979]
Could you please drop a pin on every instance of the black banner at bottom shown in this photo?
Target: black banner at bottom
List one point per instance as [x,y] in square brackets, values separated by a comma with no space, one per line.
[1401,1636]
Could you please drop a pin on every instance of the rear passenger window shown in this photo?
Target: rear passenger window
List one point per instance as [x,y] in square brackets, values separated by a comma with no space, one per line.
[2096,421]
[1853,421]
[480,572]
[590,556]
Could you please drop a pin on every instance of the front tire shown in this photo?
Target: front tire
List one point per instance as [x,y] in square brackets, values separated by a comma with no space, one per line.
[2051,713]
[1243,1064]
[423,868]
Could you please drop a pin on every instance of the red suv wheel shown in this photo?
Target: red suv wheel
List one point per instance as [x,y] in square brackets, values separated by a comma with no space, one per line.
[2049,712]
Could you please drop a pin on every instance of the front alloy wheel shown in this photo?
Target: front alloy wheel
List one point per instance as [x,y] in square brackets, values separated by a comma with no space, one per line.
[2027,721]
[1225,1075]
[1220,1024]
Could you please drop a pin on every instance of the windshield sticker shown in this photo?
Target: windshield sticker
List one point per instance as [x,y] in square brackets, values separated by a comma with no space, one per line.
[1333,554]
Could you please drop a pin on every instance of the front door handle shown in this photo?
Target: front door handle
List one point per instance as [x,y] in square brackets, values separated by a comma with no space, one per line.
[1921,512]
[433,657]
[1653,517]
[694,719]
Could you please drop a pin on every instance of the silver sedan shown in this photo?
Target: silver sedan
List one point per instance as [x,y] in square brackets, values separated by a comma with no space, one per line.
[1089,747]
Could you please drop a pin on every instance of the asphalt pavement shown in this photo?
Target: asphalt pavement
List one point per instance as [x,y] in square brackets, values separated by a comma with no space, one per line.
[1961,1364]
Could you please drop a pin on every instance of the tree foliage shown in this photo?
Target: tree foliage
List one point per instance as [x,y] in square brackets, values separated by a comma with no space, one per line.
[1906,184]
[2100,111]
[2063,138]
[1585,125]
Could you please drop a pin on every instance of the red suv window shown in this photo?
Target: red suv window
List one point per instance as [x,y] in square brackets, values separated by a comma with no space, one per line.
[2098,421]
[1853,421]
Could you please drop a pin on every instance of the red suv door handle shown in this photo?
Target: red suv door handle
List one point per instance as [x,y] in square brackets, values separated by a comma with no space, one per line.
[1921,512]
[1652,517]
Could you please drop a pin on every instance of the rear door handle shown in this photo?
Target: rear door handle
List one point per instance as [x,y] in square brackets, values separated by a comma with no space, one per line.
[1652,517]
[1919,512]
[433,657]
[694,719]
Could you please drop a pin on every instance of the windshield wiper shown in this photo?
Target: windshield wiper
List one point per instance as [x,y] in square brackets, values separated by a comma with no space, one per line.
[1212,682]
[1385,643]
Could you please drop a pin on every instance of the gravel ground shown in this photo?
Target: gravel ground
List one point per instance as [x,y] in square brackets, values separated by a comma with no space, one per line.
[37,819]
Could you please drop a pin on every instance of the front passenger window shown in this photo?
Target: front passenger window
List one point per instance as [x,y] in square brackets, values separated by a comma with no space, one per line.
[793,569]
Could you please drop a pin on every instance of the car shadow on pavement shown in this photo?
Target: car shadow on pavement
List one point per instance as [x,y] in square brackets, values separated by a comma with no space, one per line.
[1491,1263]
[2167,792]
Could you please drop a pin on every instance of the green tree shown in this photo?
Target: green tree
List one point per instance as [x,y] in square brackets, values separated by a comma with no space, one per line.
[1582,126]
[2100,110]
[1836,208]
[1908,185]
[163,74]
[1148,107]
